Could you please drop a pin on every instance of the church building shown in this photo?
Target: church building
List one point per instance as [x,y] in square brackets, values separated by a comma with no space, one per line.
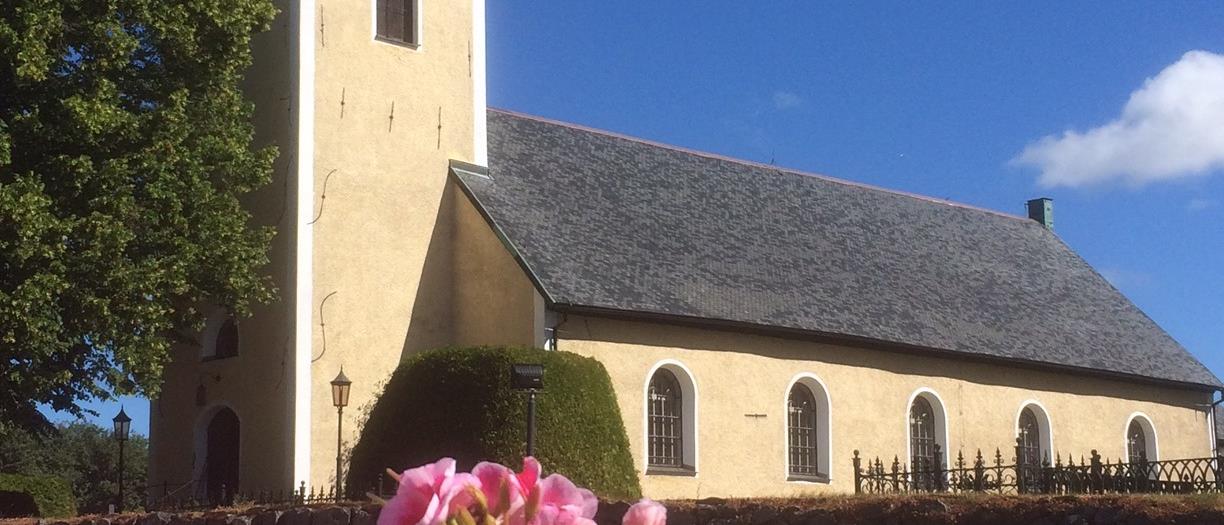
[759,323]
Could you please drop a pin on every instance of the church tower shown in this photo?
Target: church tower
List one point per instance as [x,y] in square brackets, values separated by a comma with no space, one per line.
[368,102]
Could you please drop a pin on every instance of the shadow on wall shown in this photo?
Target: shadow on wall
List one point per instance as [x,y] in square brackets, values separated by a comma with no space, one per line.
[891,358]
[429,326]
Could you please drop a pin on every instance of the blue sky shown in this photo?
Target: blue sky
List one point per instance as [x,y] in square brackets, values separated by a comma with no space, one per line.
[931,98]
[940,99]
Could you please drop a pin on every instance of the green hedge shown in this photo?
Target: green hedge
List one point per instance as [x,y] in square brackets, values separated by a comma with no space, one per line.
[457,402]
[52,496]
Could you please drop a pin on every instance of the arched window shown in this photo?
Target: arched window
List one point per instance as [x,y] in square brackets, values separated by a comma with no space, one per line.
[809,442]
[927,440]
[227,339]
[1141,440]
[670,423]
[1029,441]
[1136,443]
[923,443]
[666,420]
[1034,435]
[801,431]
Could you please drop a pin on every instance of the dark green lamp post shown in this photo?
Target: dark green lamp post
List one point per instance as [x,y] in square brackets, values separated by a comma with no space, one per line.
[123,424]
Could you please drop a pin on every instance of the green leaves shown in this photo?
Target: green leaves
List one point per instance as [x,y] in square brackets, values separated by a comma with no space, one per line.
[82,455]
[457,402]
[125,145]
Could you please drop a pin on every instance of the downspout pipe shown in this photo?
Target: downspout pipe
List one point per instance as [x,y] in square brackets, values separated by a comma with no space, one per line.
[1215,441]
[556,331]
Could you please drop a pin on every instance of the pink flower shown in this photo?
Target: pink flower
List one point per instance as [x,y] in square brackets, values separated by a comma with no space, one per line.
[554,500]
[560,516]
[500,487]
[558,491]
[530,475]
[428,494]
[645,512]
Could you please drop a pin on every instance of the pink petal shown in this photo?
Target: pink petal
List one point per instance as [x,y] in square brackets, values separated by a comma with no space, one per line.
[530,475]
[645,512]
[454,494]
[559,516]
[397,512]
[491,476]
[557,490]
[416,500]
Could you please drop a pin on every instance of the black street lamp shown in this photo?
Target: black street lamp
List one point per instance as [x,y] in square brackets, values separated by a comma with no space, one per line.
[340,398]
[123,424]
[528,378]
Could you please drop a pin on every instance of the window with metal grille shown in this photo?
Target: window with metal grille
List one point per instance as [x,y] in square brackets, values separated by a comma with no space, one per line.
[922,434]
[1136,443]
[666,421]
[923,446]
[801,427]
[396,21]
[1030,439]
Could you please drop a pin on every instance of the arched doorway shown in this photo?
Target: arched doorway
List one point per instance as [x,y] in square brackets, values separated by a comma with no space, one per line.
[221,456]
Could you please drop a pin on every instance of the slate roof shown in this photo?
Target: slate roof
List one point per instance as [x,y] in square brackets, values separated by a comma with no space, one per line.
[1219,423]
[613,223]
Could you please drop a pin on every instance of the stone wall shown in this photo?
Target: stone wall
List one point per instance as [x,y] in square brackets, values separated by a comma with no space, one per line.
[835,510]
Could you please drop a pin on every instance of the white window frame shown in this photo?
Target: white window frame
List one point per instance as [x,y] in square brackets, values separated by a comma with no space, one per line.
[689,400]
[941,423]
[418,18]
[1150,439]
[212,329]
[824,429]
[1044,425]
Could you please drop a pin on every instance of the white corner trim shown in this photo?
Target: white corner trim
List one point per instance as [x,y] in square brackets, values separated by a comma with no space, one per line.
[1153,448]
[480,127]
[686,378]
[824,425]
[1043,419]
[941,428]
[304,251]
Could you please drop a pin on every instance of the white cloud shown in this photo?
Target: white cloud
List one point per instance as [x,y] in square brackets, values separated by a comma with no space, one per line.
[1199,204]
[786,100]
[1171,128]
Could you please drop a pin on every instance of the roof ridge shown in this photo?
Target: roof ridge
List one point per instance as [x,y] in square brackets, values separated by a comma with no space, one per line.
[725,158]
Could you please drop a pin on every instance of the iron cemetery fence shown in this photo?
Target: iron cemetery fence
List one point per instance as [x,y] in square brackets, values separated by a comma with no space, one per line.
[190,496]
[992,475]
[195,496]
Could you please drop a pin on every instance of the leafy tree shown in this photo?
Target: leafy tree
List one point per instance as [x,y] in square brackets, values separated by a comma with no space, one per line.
[125,144]
[84,455]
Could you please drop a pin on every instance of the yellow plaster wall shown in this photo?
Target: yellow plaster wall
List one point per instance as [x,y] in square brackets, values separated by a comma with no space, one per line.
[493,299]
[258,383]
[387,121]
[739,374]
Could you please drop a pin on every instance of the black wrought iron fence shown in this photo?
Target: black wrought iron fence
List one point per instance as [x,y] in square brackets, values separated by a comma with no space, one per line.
[192,497]
[1093,475]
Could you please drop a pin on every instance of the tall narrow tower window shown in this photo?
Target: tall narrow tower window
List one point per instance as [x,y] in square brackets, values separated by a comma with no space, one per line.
[396,21]
[227,339]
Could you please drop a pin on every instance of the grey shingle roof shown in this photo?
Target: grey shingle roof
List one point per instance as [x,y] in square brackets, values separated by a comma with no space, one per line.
[608,222]
[1219,423]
